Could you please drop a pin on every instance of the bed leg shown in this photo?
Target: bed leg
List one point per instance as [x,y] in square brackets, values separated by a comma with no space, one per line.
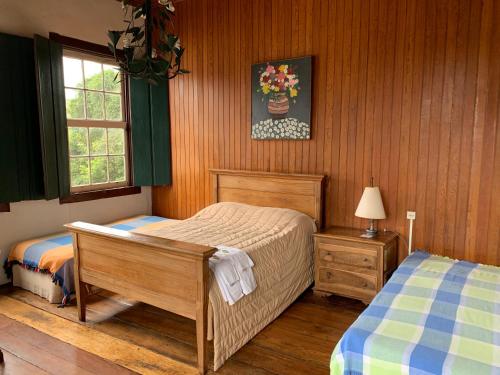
[81,300]
[201,315]
[1,357]
[80,287]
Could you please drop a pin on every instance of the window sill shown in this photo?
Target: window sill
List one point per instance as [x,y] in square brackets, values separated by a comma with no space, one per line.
[100,194]
[4,207]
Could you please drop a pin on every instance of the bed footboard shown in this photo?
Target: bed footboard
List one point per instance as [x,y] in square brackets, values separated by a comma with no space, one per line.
[171,275]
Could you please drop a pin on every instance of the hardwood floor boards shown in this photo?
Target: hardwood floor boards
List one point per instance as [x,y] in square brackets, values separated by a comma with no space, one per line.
[28,351]
[140,338]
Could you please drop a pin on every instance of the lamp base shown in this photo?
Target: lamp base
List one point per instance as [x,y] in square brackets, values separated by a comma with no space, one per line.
[369,233]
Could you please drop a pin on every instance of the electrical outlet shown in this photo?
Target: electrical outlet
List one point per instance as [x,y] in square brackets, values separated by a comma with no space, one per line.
[411,215]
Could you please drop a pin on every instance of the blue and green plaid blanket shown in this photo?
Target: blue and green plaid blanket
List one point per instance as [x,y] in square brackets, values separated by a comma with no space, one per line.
[434,316]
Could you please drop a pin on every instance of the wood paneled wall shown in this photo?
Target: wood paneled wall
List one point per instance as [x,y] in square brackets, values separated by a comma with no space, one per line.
[406,91]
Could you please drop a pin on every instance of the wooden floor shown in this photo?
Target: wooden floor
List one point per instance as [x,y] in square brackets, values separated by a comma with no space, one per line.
[125,337]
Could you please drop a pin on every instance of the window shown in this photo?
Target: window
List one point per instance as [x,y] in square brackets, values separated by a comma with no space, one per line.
[97,128]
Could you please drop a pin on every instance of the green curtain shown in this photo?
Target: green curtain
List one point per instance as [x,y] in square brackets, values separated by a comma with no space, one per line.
[150,124]
[52,117]
[21,172]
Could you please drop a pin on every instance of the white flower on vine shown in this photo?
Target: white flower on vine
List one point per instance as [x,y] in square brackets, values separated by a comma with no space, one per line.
[126,42]
[178,44]
[167,4]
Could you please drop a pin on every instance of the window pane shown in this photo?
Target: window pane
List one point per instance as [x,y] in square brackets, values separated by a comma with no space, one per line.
[78,141]
[110,83]
[74,104]
[116,168]
[73,74]
[97,138]
[113,107]
[99,169]
[95,105]
[93,75]
[116,141]
[79,168]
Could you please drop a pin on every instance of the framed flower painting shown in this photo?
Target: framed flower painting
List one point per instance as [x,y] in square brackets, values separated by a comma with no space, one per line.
[281,99]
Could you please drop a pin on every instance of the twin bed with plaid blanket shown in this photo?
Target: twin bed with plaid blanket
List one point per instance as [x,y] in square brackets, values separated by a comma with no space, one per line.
[434,316]
[54,254]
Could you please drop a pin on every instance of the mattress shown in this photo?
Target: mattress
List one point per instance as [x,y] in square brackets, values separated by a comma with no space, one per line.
[434,316]
[36,282]
[280,243]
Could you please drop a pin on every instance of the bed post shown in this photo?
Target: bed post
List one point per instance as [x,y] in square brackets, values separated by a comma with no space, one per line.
[80,287]
[202,313]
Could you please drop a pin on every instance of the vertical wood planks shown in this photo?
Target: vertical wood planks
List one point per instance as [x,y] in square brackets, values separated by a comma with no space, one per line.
[406,91]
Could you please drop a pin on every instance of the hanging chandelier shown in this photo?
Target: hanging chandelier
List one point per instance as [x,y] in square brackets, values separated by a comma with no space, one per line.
[151,49]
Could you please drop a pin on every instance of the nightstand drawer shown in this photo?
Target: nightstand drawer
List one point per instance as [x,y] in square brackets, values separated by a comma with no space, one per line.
[353,266]
[330,255]
[347,279]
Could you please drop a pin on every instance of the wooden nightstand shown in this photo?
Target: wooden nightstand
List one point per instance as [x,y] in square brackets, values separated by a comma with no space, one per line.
[353,266]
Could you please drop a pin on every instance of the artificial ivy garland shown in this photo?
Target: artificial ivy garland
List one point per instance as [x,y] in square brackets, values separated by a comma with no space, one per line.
[151,51]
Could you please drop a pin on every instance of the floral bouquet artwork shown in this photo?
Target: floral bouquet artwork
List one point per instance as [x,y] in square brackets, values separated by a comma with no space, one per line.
[278,83]
[281,99]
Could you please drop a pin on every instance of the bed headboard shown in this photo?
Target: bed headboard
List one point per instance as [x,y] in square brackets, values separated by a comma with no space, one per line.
[301,192]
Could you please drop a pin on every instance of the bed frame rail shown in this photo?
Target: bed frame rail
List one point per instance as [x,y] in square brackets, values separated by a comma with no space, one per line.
[171,275]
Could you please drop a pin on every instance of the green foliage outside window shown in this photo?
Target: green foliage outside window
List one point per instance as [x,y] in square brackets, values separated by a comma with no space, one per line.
[94,150]
[95,107]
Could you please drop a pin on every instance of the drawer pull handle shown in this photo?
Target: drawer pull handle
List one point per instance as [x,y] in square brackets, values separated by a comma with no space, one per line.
[365,260]
[328,274]
[328,258]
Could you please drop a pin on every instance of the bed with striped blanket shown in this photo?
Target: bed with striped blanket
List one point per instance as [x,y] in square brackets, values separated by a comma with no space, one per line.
[53,255]
[434,316]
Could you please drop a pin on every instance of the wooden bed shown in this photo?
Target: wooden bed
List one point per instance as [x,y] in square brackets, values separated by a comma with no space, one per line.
[173,275]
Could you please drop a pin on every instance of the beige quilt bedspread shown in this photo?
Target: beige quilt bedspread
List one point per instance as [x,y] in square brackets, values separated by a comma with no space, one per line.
[280,243]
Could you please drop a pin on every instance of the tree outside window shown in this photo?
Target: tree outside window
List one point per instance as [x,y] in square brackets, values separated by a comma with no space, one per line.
[96,126]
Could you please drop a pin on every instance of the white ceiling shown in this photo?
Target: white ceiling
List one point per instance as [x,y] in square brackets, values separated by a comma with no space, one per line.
[83,19]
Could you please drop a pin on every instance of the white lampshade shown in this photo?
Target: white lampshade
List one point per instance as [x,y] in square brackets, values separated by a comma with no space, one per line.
[370,206]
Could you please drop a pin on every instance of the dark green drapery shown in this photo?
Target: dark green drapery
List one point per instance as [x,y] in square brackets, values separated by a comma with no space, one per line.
[150,126]
[52,116]
[21,172]
[33,135]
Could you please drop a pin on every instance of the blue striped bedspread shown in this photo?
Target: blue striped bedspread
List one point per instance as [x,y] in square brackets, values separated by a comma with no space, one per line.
[54,254]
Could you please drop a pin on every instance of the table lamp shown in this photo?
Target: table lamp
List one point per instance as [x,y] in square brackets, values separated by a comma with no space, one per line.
[371,207]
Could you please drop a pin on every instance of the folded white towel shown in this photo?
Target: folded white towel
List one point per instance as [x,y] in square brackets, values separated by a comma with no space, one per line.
[247,281]
[232,268]
[243,265]
[226,277]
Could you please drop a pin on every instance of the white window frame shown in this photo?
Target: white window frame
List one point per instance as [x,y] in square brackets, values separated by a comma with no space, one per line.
[108,124]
